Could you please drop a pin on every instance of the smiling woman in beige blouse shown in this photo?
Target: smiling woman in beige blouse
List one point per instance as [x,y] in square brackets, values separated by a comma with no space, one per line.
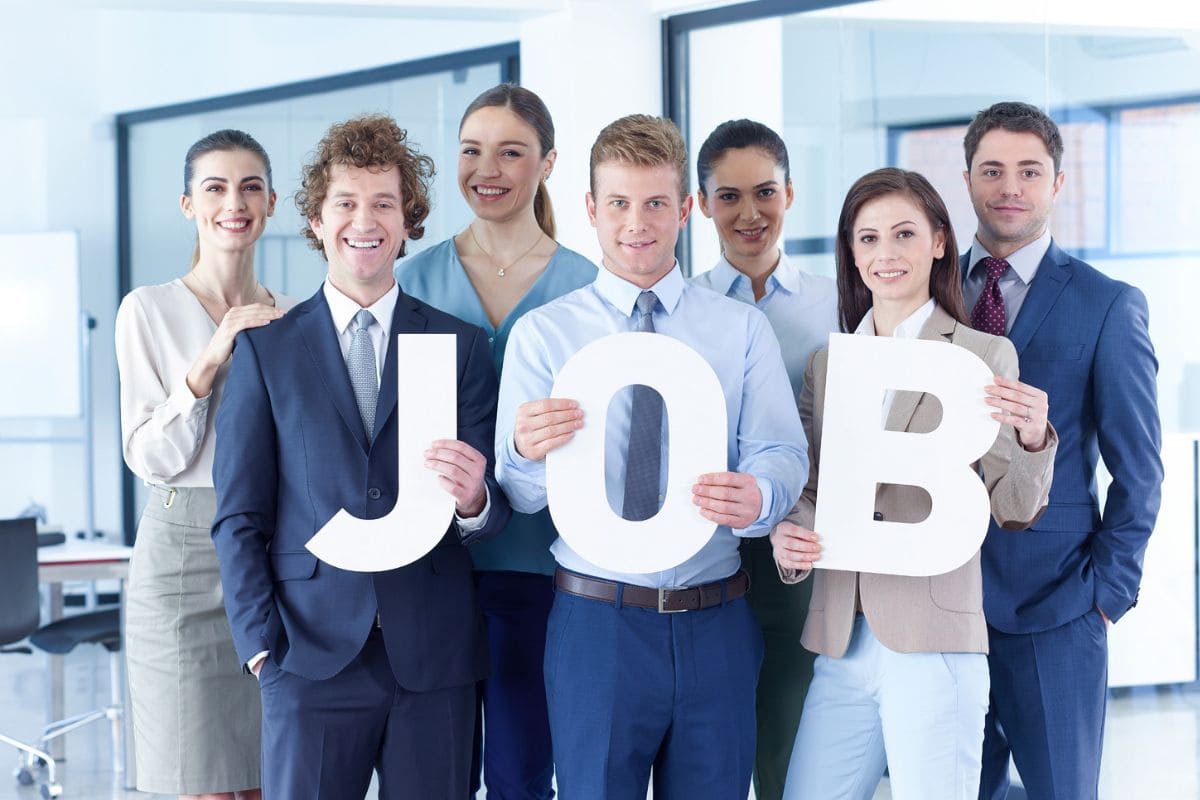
[196,716]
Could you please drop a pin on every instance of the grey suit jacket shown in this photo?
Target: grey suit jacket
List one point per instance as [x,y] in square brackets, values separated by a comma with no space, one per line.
[942,613]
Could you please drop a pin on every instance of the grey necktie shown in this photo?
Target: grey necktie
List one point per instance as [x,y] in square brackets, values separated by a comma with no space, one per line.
[364,373]
[643,461]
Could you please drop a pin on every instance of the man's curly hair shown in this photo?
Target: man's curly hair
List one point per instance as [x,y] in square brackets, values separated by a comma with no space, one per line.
[375,142]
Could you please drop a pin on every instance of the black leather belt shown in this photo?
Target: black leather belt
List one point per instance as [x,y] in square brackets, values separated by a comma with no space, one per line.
[665,601]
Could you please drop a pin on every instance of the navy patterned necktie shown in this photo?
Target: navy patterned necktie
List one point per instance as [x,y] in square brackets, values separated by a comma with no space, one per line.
[643,458]
[364,370]
[988,314]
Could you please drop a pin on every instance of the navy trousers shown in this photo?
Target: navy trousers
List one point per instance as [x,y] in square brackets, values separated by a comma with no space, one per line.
[1048,699]
[512,731]
[636,695]
[322,739]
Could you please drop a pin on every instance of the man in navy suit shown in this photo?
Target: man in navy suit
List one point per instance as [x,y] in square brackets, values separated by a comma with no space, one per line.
[358,671]
[1051,593]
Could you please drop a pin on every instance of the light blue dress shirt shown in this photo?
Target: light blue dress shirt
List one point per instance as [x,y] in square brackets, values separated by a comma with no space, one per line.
[801,308]
[765,438]
[438,277]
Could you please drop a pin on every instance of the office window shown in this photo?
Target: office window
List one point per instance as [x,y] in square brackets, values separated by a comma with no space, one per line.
[426,97]
[856,86]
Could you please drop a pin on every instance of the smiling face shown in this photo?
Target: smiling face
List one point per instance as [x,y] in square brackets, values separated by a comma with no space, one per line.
[361,227]
[894,247]
[637,213]
[746,197]
[230,200]
[500,163]
[1013,186]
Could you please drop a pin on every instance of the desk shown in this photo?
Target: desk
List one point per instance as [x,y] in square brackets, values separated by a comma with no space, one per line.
[79,560]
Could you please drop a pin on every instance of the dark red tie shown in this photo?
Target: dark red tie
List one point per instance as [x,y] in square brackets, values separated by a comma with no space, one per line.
[988,315]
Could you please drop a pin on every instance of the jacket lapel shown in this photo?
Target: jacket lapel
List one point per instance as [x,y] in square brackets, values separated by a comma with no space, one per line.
[316,328]
[938,328]
[1051,277]
[405,319]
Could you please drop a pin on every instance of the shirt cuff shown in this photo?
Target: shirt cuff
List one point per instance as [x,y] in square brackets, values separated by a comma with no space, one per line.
[255,660]
[472,524]
[186,403]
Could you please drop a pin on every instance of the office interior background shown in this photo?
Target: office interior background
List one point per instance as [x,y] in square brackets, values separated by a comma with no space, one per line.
[102,98]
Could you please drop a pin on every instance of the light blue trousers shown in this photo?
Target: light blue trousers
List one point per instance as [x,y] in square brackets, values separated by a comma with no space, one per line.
[918,714]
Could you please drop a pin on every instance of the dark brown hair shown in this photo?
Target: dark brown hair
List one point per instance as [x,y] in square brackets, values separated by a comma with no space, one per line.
[222,141]
[641,141]
[945,279]
[373,142]
[739,134]
[533,112]
[1015,118]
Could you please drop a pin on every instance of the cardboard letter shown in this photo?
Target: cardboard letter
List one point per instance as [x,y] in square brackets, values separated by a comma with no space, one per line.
[423,508]
[856,454]
[696,419]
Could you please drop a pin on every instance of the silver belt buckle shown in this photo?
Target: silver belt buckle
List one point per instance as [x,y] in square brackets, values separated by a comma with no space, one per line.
[170,501]
[662,597]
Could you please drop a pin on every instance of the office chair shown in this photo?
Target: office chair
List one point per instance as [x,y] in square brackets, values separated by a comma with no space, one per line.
[19,615]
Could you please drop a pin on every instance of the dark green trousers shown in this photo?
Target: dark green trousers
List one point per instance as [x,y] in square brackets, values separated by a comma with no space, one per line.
[787,668]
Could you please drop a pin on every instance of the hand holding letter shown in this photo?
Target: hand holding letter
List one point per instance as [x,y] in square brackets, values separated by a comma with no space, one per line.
[795,548]
[1024,407]
[460,469]
[545,425]
[728,498]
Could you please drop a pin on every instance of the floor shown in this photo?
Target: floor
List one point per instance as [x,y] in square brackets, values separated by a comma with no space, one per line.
[1152,750]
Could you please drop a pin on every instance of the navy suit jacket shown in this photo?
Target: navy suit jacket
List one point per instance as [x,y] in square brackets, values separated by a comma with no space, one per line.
[291,452]
[1084,339]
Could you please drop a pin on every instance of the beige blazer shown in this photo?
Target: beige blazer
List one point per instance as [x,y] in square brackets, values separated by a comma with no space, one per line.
[943,613]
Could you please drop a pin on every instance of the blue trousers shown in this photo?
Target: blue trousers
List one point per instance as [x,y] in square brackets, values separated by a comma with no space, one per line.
[635,693]
[322,739]
[512,731]
[1049,694]
[918,714]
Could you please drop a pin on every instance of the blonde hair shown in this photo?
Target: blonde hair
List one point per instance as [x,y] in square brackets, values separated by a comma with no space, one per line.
[642,141]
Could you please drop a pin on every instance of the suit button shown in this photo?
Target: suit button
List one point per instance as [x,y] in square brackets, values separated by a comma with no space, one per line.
[373,493]
[878,516]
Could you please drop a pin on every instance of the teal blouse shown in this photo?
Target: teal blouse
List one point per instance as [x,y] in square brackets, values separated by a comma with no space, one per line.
[438,277]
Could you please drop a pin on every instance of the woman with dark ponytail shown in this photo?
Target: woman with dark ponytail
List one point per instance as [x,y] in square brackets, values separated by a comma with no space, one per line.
[196,713]
[746,189]
[504,263]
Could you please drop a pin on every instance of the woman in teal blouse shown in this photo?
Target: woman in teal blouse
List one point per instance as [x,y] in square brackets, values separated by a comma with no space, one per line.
[503,264]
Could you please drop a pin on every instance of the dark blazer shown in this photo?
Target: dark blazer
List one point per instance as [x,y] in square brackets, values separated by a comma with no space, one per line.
[1083,338]
[292,451]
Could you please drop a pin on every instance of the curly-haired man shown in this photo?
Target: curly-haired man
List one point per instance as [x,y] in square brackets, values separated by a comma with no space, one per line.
[359,671]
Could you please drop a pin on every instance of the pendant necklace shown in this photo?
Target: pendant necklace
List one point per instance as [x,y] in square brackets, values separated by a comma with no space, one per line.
[501,271]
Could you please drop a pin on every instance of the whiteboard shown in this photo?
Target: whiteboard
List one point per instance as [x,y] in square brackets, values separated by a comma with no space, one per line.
[40,325]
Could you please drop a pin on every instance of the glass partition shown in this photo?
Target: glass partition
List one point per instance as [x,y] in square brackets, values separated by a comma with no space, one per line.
[426,97]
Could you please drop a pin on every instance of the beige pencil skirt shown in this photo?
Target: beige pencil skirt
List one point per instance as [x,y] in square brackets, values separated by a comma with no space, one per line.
[196,715]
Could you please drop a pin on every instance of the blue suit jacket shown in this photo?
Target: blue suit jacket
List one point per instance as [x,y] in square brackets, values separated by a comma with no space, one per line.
[1084,339]
[291,451]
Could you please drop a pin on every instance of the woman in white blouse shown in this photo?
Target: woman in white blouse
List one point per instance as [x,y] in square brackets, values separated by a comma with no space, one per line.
[196,715]
[901,680]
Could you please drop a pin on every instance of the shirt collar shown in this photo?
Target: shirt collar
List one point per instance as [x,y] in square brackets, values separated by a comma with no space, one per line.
[1024,262]
[910,328]
[623,294]
[343,309]
[785,275]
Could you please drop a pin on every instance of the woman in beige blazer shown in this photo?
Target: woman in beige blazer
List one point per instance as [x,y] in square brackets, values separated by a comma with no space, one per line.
[901,679]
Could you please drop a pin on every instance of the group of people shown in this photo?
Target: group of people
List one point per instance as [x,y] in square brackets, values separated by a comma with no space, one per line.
[505,656]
